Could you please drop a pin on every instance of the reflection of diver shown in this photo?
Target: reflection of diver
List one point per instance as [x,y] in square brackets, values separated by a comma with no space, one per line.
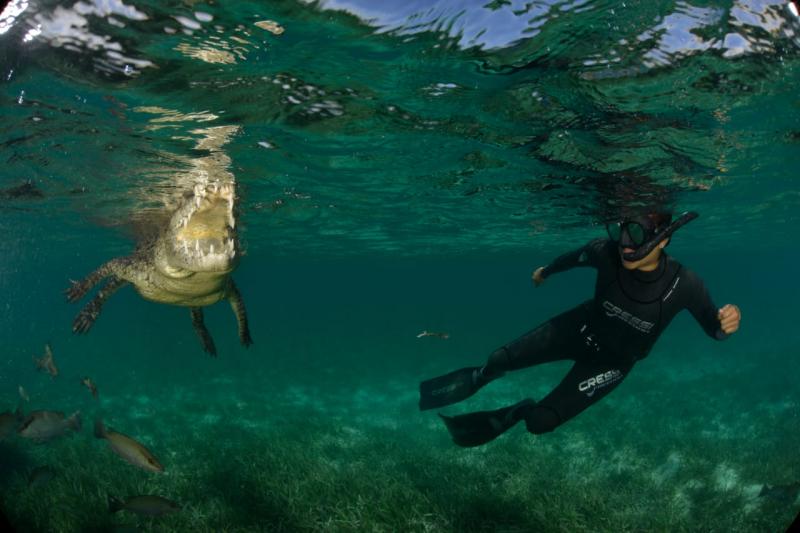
[188,263]
[638,291]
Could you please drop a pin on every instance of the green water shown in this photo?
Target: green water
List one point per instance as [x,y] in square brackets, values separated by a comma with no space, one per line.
[400,166]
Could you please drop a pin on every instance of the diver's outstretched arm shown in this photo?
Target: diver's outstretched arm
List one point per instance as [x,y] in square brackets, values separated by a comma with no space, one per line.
[200,328]
[237,304]
[79,288]
[91,311]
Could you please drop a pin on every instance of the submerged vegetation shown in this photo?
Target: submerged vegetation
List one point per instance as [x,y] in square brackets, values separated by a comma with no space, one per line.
[308,460]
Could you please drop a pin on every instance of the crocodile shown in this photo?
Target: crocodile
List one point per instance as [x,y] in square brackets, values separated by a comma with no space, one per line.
[186,262]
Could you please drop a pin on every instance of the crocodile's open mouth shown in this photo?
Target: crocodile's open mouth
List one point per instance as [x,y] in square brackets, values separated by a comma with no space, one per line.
[203,236]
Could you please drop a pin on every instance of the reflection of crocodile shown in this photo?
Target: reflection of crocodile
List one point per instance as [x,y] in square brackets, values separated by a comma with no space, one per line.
[187,263]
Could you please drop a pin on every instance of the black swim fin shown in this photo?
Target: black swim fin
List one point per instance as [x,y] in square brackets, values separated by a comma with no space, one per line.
[474,429]
[451,388]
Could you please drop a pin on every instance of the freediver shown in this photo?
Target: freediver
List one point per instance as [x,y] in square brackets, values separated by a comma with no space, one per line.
[638,291]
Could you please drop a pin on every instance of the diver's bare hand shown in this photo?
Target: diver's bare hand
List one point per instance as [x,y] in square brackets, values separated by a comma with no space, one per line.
[729,317]
[537,277]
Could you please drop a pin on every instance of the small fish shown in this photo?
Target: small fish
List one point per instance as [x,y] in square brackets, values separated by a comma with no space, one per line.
[46,363]
[782,493]
[25,191]
[23,394]
[149,505]
[89,384]
[40,475]
[44,426]
[9,423]
[127,448]
[438,335]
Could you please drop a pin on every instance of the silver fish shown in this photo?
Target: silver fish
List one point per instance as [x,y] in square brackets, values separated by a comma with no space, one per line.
[148,505]
[127,448]
[89,384]
[44,426]
[437,334]
[46,363]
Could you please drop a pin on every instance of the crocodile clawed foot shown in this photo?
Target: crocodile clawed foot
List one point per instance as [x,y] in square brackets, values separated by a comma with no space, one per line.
[210,349]
[84,321]
[75,292]
[245,339]
[207,341]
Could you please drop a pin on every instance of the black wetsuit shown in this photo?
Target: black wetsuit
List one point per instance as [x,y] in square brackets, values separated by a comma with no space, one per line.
[606,335]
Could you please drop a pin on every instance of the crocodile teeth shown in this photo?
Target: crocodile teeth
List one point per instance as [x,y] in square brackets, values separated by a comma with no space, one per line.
[197,245]
[212,249]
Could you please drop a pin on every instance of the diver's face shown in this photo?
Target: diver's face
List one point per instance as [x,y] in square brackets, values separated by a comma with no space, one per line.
[632,233]
[648,262]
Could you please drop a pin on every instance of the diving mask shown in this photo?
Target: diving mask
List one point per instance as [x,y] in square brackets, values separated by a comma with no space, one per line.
[642,235]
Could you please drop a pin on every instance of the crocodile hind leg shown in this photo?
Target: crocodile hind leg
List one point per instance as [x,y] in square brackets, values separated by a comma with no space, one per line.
[237,304]
[202,331]
[91,311]
[79,288]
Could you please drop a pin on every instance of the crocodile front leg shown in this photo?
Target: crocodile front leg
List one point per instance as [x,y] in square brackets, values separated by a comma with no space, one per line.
[91,311]
[202,331]
[237,304]
[79,288]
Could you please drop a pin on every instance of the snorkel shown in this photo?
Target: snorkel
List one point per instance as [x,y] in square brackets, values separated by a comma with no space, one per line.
[650,237]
